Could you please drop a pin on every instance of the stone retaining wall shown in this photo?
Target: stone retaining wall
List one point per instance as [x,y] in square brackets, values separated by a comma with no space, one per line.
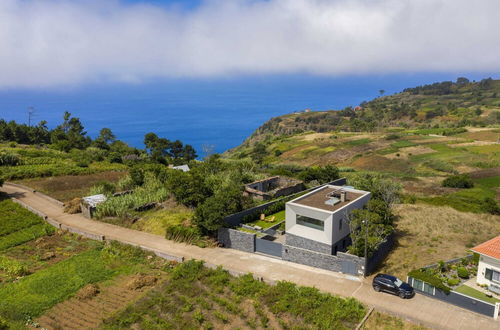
[235,239]
[321,260]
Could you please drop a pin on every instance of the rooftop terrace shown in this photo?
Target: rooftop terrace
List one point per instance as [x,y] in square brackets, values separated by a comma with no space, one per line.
[330,198]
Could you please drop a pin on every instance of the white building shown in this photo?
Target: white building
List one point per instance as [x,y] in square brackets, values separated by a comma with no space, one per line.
[317,221]
[488,271]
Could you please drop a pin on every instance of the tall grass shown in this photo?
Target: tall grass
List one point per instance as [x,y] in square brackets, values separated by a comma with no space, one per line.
[153,190]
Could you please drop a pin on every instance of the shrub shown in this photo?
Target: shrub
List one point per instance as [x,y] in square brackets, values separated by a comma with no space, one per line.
[458,181]
[426,276]
[392,136]
[103,187]
[463,272]
[453,281]
[8,159]
[181,233]
[491,206]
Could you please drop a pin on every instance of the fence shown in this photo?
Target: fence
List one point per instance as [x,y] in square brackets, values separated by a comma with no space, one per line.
[236,219]
[455,298]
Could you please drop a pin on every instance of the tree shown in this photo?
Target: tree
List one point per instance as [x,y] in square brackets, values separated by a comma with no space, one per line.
[209,216]
[323,174]
[365,226]
[259,152]
[189,153]
[458,181]
[70,134]
[462,81]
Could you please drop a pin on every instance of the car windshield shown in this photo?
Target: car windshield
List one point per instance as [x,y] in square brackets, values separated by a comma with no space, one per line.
[398,282]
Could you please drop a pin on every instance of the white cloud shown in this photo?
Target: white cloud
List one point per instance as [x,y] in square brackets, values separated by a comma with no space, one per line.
[65,42]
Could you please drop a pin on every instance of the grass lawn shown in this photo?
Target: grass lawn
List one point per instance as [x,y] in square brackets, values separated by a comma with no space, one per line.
[278,217]
[467,290]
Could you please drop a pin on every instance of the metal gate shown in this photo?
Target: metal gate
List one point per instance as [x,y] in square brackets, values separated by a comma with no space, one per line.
[349,267]
[268,247]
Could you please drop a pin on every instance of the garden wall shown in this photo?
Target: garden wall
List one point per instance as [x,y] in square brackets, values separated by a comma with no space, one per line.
[235,239]
[234,220]
[342,262]
[379,255]
[453,297]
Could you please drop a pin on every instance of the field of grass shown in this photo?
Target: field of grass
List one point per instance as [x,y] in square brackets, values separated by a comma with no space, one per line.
[468,200]
[427,234]
[197,297]
[379,321]
[67,187]
[156,221]
[467,290]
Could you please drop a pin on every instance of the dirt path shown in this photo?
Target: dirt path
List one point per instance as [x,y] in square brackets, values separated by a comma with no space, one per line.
[421,309]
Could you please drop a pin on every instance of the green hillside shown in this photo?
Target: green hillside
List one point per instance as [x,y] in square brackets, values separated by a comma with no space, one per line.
[439,105]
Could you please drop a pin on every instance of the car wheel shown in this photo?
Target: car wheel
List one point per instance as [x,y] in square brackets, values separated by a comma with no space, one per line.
[402,295]
[376,288]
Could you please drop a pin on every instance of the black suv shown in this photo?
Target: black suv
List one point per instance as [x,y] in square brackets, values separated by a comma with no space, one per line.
[392,284]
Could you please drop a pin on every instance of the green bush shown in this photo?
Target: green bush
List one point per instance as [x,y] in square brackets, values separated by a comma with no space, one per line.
[463,272]
[458,181]
[8,159]
[491,206]
[453,281]
[426,276]
[185,234]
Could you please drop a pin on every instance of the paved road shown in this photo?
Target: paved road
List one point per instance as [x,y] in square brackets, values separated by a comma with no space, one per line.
[425,310]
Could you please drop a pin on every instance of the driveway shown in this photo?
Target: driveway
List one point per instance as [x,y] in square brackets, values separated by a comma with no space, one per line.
[430,312]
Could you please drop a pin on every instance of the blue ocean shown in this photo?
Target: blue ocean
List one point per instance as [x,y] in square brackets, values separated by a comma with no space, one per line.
[217,112]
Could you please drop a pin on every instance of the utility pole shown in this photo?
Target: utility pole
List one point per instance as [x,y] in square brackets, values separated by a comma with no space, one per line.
[31,112]
[366,247]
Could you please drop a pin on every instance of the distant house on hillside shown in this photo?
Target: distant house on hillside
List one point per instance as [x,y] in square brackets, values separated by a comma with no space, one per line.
[488,270]
[183,168]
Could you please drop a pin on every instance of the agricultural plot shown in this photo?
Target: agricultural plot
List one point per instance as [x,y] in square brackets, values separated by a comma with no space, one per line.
[197,297]
[30,162]
[19,225]
[67,187]
[40,267]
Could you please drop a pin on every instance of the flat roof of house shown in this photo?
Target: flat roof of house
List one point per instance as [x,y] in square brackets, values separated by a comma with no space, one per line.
[319,197]
[489,248]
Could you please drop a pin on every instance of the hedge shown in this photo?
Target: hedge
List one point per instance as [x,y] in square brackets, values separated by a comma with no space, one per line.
[429,278]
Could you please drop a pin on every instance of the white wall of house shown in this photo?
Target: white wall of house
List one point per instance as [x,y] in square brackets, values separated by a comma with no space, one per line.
[291,226]
[333,231]
[490,263]
[341,216]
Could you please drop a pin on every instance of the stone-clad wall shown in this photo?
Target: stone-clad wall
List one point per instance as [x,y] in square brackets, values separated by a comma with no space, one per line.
[307,244]
[236,239]
[322,260]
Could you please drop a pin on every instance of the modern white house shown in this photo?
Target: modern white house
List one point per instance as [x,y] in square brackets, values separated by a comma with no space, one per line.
[488,271]
[317,221]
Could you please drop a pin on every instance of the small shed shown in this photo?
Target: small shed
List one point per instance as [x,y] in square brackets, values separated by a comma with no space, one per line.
[89,204]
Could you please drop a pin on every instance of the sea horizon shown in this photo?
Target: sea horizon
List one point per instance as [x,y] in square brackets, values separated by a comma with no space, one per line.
[219,112]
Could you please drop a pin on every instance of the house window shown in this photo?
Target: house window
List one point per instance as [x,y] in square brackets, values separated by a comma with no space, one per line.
[492,275]
[310,222]
[340,224]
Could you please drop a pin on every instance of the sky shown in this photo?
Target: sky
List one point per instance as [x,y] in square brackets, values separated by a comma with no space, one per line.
[212,71]
[48,44]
